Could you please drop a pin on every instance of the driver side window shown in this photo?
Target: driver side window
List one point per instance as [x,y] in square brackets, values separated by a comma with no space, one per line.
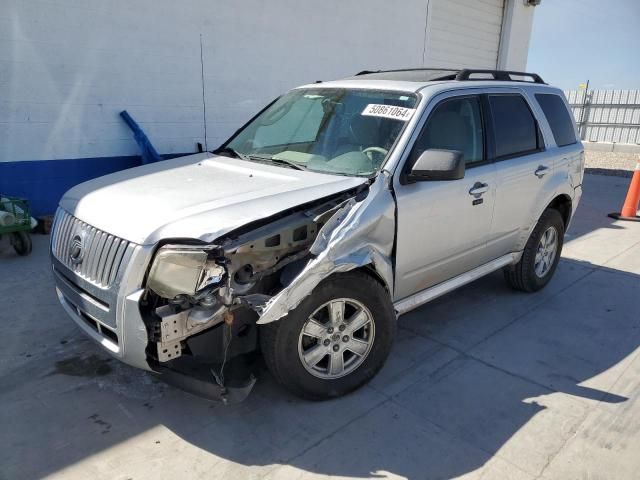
[454,124]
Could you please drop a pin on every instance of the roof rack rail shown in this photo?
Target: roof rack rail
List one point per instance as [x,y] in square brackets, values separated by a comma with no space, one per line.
[419,69]
[503,75]
[466,74]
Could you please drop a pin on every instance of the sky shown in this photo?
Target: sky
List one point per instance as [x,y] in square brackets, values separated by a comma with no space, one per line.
[578,40]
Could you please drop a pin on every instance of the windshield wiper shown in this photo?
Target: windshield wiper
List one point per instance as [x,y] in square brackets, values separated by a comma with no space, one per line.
[232,153]
[282,161]
[243,156]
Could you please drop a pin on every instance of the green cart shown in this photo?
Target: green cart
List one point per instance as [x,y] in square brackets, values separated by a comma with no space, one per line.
[15,220]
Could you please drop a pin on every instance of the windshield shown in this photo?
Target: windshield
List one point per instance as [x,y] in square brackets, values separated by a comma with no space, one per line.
[331,130]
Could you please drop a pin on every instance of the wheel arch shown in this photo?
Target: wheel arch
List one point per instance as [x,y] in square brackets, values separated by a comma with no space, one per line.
[563,204]
[370,270]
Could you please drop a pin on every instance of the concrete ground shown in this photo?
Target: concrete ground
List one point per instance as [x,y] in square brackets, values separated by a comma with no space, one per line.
[482,383]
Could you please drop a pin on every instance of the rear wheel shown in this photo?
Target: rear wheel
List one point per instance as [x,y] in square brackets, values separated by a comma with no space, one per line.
[541,254]
[335,340]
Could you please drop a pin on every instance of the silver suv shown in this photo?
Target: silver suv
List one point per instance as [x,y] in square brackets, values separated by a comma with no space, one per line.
[337,208]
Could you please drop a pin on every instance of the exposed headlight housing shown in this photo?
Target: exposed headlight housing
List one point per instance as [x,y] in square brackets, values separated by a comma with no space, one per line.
[182,270]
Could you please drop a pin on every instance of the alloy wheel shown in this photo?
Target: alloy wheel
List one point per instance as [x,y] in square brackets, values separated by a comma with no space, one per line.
[336,338]
[546,252]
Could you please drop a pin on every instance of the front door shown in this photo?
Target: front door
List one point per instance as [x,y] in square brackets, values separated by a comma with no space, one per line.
[443,225]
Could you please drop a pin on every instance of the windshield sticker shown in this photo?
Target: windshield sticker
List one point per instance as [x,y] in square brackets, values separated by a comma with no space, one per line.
[388,111]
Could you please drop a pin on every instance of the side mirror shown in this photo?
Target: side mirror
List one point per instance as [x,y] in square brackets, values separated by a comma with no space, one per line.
[435,164]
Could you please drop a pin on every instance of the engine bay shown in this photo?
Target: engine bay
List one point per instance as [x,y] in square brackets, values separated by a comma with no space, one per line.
[204,300]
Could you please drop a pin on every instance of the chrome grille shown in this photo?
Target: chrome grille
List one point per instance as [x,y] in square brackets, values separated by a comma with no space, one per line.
[102,253]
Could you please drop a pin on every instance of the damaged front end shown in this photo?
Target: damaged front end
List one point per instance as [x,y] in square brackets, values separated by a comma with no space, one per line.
[203,303]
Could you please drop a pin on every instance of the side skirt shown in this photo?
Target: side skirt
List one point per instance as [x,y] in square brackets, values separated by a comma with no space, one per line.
[417,299]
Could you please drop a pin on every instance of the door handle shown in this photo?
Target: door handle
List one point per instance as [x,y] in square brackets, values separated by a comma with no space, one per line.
[541,171]
[478,189]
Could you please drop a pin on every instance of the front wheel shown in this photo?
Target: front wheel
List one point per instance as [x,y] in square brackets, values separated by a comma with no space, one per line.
[541,254]
[335,340]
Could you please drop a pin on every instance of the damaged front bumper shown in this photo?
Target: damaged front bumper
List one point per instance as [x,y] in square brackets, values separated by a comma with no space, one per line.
[100,310]
[201,380]
[126,339]
[263,272]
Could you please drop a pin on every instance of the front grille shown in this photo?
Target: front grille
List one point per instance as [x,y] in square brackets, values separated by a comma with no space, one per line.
[101,253]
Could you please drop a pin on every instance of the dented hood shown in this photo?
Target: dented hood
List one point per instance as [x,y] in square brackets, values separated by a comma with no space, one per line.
[201,196]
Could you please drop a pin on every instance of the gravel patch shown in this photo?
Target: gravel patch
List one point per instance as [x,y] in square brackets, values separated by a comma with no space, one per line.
[610,163]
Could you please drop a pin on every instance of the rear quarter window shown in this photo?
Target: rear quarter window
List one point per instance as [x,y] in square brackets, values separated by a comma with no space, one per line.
[557,115]
[515,127]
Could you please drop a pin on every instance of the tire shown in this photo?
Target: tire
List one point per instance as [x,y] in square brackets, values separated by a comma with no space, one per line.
[285,347]
[21,243]
[526,275]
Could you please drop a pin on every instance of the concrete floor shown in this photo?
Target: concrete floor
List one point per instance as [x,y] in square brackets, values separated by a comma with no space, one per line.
[482,383]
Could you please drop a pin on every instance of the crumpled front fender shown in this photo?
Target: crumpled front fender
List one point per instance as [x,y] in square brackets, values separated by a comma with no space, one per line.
[359,234]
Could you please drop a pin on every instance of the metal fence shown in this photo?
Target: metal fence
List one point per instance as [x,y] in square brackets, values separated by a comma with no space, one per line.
[607,115]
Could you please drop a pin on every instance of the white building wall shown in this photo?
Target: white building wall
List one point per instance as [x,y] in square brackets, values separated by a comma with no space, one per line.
[464,33]
[516,35]
[68,67]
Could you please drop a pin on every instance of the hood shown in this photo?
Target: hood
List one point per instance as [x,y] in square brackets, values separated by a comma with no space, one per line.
[201,196]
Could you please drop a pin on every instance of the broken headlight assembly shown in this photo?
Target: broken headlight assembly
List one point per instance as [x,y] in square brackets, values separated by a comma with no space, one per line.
[188,278]
[183,270]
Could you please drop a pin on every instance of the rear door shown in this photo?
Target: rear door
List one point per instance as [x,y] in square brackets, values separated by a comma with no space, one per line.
[443,225]
[568,151]
[523,169]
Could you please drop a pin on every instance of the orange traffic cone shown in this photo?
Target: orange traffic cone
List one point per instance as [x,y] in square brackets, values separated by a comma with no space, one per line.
[631,203]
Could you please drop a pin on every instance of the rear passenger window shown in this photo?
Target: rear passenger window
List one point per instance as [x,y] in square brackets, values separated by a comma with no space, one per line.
[515,128]
[558,117]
